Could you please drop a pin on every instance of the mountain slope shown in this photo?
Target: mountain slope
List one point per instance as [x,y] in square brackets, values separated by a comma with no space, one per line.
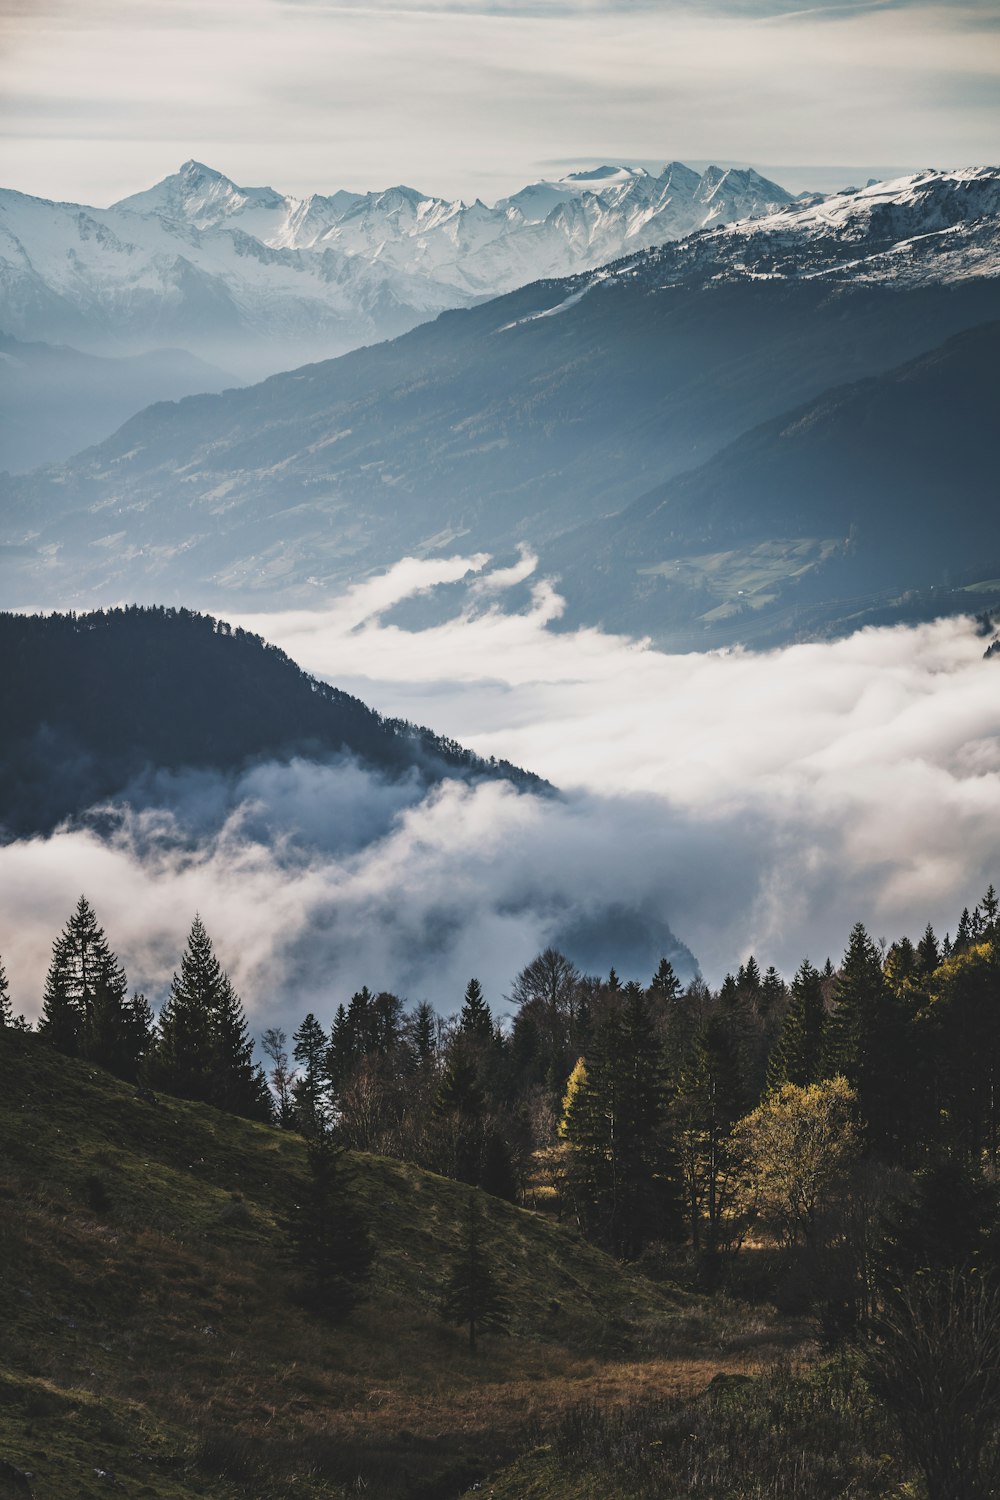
[260,281]
[154,1342]
[56,400]
[515,420]
[882,487]
[89,702]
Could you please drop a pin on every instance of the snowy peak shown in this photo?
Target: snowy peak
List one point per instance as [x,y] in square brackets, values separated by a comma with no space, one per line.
[255,280]
[200,196]
[931,227]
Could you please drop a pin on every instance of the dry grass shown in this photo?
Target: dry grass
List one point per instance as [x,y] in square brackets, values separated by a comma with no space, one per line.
[158,1335]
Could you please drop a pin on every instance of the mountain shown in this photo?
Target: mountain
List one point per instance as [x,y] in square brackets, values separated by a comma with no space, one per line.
[259,281]
[55,400]
[878,497]
[517,420]
[89,702]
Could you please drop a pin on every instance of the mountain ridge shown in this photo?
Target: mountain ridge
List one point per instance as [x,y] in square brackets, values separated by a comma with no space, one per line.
[257,280]
[92,701]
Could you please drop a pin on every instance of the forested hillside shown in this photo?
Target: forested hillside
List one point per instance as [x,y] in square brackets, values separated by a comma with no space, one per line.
[89,701]
[694,1180]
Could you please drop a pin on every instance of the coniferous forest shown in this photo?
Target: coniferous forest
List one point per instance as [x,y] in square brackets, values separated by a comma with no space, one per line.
[823,1146]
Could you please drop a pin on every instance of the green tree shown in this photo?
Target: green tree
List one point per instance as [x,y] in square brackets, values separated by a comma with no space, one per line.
[328,1230]
[86,1011]
[310,1050]
[7,1016]
[471,1293]
[203,1049]
[961,1033]
[798,1055]
[712,1097]
[622,1165]
[869,1043]
[475,1020]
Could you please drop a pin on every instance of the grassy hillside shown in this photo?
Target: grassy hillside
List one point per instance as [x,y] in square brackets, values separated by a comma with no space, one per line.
[152,1341]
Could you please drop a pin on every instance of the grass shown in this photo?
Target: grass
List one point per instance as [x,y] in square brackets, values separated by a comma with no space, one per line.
[150,1328]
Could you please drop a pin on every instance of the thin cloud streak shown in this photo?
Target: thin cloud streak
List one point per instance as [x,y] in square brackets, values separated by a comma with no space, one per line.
[103,98]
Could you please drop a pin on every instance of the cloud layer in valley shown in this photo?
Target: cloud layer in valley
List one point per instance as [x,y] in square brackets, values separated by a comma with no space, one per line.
[740,802]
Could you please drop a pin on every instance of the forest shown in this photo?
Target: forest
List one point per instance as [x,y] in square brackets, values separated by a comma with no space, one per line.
[827,1145]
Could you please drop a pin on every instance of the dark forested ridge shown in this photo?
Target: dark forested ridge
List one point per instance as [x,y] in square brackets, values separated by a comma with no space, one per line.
[88,701]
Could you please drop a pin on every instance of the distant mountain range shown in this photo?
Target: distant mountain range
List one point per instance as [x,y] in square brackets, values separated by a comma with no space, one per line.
[559,406]
[89,702]
[257,281]
[54,400]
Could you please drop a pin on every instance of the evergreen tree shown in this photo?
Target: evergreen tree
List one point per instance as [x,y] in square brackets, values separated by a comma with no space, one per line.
[475,1020]
[928,953]
[85,1011]
[867,1042]
[423,1034]
[471,1292]
[771,995]
[329,1235]
[341,1054]
[7,1016]
[203,1049]
[615,1124]
[798,1056]
[712,1097]
[238,1083]
[665,985]
[310,1093]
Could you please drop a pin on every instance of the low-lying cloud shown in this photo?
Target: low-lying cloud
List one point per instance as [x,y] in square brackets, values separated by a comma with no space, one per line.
[737,802]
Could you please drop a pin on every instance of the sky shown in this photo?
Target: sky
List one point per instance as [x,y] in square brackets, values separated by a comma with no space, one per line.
[101,98]
[711,805]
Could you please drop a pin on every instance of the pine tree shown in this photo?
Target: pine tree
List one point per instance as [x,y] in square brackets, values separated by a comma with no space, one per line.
[238,1083]
[423,1034]
[7,1016]
[665,985]
[471,1292]
[475,1020]
[341,1054]
[310,1050]
[928,953]
[615,1124]
[798,1056]
[713,1096]
[329,1235]
[203,1049]
[771,995]
[867,1041]
[85,1011]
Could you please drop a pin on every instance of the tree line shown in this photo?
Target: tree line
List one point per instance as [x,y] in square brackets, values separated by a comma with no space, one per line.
[656,1115]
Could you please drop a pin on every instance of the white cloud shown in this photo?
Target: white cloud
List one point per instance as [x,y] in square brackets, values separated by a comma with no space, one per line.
[106,95]
[743,802]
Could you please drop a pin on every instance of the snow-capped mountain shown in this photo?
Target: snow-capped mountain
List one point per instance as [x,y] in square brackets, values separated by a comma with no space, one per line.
[521,418]
[258,280]
[927,228]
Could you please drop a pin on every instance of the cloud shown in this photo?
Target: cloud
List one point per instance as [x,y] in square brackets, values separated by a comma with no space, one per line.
[732,802]
[106,95]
